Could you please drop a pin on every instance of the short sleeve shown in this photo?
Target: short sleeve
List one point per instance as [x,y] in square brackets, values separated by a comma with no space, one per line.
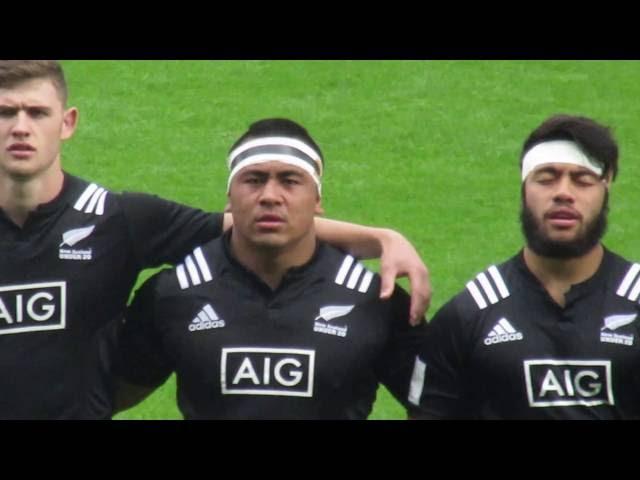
[396,366]
[163,231]
[443,365]
[140,358]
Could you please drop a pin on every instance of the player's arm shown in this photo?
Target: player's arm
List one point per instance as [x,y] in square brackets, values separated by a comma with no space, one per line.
[441,376]
[398,258]
[163,231]
[140,365]
[129,395]
[397,368]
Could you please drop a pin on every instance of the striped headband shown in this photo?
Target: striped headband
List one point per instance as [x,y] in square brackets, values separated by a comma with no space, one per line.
[276,149]
[558,151]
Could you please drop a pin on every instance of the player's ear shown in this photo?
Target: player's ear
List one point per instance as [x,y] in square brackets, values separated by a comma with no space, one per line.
[319,210]
[69,123]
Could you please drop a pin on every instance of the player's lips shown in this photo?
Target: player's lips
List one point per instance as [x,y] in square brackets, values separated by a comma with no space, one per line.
[20,149]
[563,217]
[269,221]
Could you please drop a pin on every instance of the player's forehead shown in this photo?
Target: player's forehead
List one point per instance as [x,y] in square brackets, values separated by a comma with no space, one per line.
[562,169]
[34,92]
[272,167]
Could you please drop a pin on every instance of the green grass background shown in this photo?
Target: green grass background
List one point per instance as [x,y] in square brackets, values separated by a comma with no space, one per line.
[429,148]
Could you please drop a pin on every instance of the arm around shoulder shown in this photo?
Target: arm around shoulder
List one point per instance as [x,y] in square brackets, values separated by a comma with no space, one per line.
[398,258]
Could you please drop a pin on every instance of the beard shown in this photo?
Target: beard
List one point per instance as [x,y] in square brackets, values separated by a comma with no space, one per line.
[542,245]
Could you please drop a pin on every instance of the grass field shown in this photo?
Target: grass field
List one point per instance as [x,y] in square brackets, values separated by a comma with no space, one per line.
[429,148]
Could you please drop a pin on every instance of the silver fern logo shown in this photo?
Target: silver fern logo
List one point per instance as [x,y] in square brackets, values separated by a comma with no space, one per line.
[614,322]
[334,311]
[328,313]
[71,238]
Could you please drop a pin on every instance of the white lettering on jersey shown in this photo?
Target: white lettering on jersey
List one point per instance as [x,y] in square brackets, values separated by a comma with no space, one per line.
[246,371]
[32,307]
[267,371]
[552,383]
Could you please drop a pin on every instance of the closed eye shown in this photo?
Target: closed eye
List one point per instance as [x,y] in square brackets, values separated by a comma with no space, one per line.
[8,112]
[38,112]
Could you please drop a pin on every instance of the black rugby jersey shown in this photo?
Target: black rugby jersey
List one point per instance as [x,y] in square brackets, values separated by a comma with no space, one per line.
[503,349]
[315,348]
[64,276]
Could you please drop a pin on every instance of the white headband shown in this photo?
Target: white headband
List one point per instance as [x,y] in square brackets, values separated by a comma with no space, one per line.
[276,149]
[557,151]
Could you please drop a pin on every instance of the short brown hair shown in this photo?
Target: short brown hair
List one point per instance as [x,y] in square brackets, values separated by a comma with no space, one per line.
[15,72]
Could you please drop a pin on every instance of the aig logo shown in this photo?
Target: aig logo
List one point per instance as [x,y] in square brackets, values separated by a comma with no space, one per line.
[32,307]
[267,371]
[568,382]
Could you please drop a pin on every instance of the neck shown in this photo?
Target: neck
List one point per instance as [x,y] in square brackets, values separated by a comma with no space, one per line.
[19,197]
[270,264]
[558,275]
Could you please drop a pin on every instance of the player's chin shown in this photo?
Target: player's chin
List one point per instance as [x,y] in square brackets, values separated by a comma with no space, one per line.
[270,240]
[21,170]
[565,234]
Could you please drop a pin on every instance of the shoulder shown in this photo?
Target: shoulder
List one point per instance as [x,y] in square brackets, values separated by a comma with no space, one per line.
[490,289]
[198,267]
[345,272]
[624,276]
[87,197]
[91,198]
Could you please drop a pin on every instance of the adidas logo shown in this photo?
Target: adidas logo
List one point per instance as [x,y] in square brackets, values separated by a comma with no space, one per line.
[206,320]
[502,331]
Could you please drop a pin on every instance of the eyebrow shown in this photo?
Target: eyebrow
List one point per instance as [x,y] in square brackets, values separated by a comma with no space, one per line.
[559,171]
[16,108]
[575,176]
[283,173]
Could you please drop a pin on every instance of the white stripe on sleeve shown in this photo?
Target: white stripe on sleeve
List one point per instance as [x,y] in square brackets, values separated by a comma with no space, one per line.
[182,277]
[497,278]
[344,269]
[202,263]
[100,206]
[355,275]
[79,205]
[193,271]
[366,281]
[629,277]
[486,286]
[477,296]
[417,381]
